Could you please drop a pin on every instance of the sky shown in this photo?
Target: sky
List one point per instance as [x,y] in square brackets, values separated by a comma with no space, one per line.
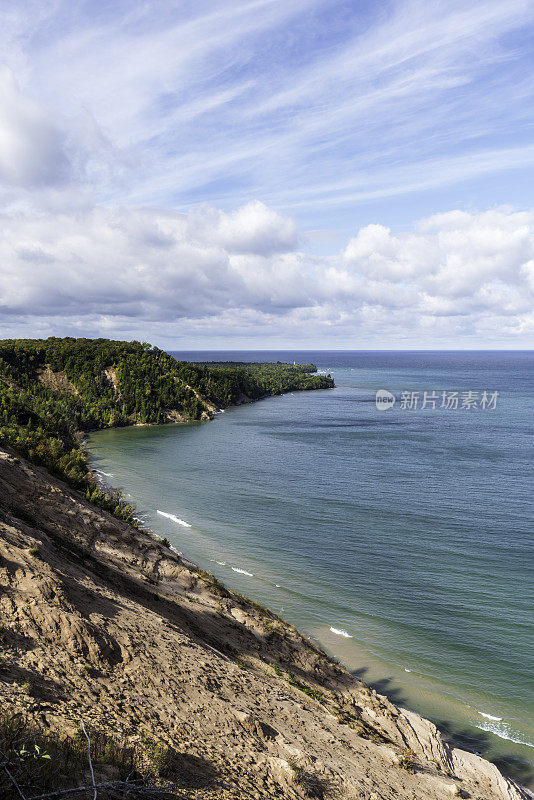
[259,174]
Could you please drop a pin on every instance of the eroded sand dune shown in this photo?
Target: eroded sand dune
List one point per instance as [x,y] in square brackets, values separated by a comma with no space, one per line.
[109,626]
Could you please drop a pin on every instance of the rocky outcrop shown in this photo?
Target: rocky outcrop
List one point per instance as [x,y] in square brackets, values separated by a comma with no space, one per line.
[422,736]
[103,623]
[211,408]
[110,374]
[57,381]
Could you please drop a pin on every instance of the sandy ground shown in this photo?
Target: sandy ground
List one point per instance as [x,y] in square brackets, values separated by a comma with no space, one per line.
[107,625]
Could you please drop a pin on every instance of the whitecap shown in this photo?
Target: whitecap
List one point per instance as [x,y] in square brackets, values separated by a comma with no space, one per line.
[222,563]
[243,572]
[489,716]
[503,731]
[174,519]
[340,632]
[407,670]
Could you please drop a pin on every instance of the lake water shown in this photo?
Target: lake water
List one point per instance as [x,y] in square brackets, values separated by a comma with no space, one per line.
[401,539]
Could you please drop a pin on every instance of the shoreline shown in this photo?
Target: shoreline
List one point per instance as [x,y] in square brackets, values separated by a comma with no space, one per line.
[182,651]
[455,737]
[442,704]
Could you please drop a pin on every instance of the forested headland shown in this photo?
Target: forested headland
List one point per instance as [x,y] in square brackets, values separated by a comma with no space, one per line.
[52,390]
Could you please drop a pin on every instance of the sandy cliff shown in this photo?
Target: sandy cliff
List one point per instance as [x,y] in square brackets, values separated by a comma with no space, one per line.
[105,624]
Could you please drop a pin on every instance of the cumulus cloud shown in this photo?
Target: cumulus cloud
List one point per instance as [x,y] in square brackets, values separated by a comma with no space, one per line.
[253,228]
[378,254]
[457,261]
[145,272]
[144,263]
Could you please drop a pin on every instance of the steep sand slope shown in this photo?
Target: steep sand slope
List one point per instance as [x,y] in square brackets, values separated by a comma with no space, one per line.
[109,626]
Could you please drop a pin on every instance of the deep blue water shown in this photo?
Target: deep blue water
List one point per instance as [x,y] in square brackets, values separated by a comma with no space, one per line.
[401,539]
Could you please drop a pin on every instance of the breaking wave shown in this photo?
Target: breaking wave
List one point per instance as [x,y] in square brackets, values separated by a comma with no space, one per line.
[174,519]
[340,632]
[504,731]
[489,716]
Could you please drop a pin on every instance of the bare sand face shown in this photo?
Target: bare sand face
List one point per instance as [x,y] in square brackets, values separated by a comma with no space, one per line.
[107,625]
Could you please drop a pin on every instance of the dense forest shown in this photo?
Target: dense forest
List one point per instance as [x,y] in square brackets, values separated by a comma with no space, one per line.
[51,390]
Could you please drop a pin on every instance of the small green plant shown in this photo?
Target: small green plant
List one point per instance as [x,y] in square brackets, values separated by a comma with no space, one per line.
[214,584]
[165,542]
[32,752]
[312,784]
[26,687]
[313,693]
[407,759]
[33,551]
[266,612]
[348,718]
[41,760]
[158,755]
[363,729]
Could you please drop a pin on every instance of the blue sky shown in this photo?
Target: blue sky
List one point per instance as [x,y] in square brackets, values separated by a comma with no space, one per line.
[266,173]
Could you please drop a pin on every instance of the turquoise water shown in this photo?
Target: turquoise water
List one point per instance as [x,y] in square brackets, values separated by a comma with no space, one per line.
[402,539]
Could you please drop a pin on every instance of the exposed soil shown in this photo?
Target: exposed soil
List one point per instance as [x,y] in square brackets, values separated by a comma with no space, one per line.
[105,624]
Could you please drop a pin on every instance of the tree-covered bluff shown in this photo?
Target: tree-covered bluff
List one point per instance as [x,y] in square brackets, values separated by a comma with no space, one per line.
[51,390]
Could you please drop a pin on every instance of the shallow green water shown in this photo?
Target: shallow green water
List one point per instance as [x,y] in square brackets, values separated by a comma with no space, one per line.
[402,540]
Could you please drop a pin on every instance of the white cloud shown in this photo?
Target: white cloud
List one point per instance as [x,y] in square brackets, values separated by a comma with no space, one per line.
[253,228]
[31,148]
[468,258]
[207,274]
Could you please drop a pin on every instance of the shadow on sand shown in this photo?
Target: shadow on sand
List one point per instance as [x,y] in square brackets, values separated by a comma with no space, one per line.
[464,737]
